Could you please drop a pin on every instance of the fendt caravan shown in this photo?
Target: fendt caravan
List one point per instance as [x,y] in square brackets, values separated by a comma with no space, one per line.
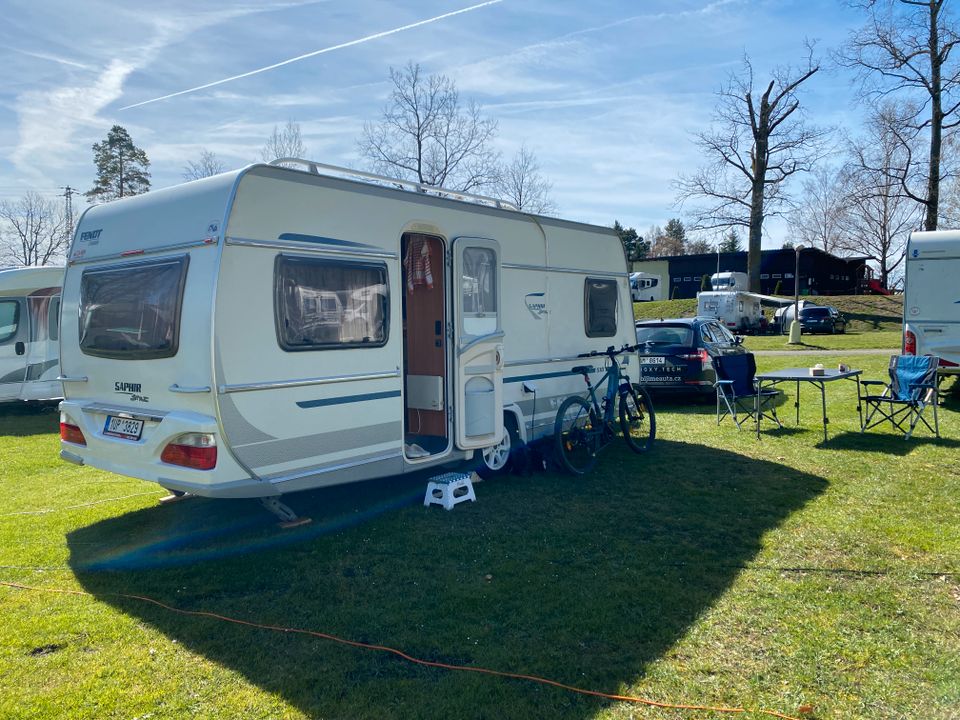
[931,296]
[29,348]
[275,329]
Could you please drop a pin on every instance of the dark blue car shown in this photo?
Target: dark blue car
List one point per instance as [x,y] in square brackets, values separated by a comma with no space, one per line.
[677,354]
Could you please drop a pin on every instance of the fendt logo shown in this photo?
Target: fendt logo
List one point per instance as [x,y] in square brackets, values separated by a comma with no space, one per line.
[90,235]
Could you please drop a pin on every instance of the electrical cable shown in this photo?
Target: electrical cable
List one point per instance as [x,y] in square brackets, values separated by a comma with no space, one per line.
[409,658]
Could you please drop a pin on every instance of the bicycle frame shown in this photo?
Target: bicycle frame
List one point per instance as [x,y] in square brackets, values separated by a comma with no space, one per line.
[617,381]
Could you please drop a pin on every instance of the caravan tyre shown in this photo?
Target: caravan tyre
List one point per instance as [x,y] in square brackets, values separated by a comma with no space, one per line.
[495,460]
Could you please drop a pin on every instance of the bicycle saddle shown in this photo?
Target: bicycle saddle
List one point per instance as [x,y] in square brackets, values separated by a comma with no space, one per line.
[582,369]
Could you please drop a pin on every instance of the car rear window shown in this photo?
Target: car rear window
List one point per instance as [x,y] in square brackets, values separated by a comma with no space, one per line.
[817,312]
[665,334]
[132,311]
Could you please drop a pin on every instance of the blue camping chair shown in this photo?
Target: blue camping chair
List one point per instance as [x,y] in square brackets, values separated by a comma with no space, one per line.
[912,388]
[737,390]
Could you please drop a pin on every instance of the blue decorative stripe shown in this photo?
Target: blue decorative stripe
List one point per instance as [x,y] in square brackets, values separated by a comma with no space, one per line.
[542,376]
[348,399]
[297,237]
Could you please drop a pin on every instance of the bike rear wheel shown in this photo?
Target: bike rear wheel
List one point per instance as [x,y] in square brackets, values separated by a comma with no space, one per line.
[638,422]
[576,435]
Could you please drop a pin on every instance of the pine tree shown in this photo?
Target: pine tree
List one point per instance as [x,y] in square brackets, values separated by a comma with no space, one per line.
[730,242]
[121,167]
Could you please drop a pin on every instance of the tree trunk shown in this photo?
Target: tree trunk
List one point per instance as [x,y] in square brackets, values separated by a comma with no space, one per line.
[936,123]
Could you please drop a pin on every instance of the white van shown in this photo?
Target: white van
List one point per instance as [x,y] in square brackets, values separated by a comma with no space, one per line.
[645,287]
[275,329]
[730,281]
[29,330]
[931,296]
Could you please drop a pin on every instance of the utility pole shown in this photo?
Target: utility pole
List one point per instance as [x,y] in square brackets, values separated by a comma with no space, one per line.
[68,193]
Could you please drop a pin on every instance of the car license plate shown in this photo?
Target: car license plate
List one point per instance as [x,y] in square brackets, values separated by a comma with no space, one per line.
[653,360]
[123,427]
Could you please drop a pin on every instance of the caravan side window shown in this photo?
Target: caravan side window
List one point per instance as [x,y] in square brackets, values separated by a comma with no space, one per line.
[9,319]
[53,318]
[132,311]
[600,307]
[323,304]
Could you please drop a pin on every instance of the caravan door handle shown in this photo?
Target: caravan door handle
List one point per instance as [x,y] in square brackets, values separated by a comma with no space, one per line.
[20,348]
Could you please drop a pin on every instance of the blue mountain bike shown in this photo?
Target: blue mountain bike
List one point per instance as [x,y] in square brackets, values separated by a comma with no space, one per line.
[584,428]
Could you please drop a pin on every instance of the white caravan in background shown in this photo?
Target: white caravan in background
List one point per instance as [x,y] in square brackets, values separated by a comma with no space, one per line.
[276,329]
[730,281]
[29,331]
[931,296]
[739,312]
[645,287]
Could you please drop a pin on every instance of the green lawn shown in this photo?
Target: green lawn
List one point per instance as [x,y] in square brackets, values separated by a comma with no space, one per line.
[718,569]
[853,341]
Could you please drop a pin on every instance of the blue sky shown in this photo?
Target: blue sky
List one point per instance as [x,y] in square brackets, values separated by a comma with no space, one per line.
[606,93]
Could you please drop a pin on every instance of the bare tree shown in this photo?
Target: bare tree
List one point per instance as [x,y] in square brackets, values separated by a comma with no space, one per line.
[879,217]
[521,183]
[754,147]
[670,241]
[905,50]
[285,142]
[33,231]
[700,246]
[205,166]
[818,219]
[425,135]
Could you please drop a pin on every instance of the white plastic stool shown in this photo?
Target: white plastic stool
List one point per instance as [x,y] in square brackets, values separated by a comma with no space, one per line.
[449,489]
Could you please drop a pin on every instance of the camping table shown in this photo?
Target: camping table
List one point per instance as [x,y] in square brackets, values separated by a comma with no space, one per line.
[798,375]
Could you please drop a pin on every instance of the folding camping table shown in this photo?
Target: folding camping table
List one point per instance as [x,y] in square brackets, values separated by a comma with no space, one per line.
[799,375]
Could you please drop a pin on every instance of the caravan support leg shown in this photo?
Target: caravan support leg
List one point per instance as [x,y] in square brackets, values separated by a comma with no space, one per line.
[174,496]
[288,518]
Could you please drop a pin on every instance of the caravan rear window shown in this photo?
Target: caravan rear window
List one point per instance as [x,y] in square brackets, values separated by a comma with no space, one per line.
[9,319]
[600,307]
[132,311]
[329,304]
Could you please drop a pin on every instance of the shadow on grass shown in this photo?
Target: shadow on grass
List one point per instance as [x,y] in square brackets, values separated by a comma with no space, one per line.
[586,581]
[886,441]
[21,419]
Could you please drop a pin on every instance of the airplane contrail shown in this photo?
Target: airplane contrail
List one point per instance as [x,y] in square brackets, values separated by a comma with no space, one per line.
[375,36]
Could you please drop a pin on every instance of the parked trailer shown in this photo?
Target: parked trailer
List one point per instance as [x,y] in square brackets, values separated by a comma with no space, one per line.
[276,329]
[730,281]
[931,296]
[739,312]
[29,349]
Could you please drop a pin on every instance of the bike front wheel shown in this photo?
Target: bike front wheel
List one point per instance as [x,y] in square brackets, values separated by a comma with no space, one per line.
[576,435]
[638,422]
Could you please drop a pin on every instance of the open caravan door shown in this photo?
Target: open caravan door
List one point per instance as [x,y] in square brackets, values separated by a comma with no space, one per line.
[478,360]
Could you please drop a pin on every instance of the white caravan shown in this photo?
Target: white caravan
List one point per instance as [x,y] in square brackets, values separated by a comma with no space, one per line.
[645,287]
[275,329]
[730,281]
[931,296]
[740,312]
[29,349]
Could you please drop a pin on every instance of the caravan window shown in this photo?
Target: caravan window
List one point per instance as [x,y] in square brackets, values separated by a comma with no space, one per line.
[53,318]
[600,307]
[9,319]
[327,304]
[132,311]
[478,291]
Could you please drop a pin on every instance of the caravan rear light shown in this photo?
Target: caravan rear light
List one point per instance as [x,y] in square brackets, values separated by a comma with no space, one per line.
[192,450]
[71,434]
[909,342]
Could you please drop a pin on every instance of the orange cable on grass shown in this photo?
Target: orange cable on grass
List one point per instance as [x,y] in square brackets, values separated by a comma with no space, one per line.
[408,658]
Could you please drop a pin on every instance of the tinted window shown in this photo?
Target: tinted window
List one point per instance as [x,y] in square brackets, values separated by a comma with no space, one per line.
[9,319]
[665,334]
[724,336]
[817,312]
[324,304]
[600,307]
[478,291]
[53,319]
[132,312]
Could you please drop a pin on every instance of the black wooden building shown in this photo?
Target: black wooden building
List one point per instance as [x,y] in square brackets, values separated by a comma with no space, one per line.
[820,273]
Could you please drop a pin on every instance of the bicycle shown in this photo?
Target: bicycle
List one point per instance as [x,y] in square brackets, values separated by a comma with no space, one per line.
[583,429]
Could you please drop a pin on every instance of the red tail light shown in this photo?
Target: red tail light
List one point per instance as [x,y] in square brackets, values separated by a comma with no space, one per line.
[193,450]
[909,343]
[71,434]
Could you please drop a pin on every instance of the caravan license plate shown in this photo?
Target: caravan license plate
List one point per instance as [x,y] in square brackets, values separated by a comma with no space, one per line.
[653,360]
[121,427]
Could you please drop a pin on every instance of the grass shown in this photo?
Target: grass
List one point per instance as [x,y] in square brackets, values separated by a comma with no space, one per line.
[850,341]
[718,569]
[865,313]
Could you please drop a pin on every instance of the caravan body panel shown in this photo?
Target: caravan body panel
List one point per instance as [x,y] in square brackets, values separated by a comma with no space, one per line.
[931,301]
[302,345]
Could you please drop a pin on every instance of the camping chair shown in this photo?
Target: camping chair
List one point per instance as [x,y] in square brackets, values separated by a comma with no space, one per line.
[737,390]
[912,388]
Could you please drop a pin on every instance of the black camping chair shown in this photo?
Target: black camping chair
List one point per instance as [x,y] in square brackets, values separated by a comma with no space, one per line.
[737,390]
[912,388]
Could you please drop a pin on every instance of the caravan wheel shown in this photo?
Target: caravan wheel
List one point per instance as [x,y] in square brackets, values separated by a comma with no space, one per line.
[495,460]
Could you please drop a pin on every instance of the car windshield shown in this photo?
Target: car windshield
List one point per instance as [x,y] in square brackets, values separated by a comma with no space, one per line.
[817,312]
[665,334]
